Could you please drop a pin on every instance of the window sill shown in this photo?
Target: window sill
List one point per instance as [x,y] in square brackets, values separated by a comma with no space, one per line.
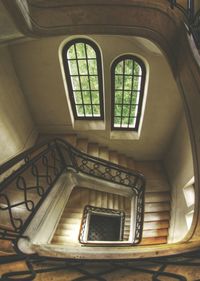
[84,125]
[124,135]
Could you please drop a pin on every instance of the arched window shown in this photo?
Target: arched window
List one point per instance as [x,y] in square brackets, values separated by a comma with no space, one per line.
[83,71]
[128,79]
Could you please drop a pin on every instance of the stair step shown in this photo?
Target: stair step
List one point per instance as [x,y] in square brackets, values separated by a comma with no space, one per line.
[160,216]
[65,220]
[152,197]
[98,199]
[156,207]
[82,144]
[113,157]
[92,197]
[75,200]
[156,185]
[154,240]
[115,202]
[155,233]
[6,246]
[58,239]
[122,160]
[69,210]
[104,200]
[121,203]
[68,221]
[155,225]
[93,149]
[73,230]
[103,153]
[110,201]
[71,138]
[130,163]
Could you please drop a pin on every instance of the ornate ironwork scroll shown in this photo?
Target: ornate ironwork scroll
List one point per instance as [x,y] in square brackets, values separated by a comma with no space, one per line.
[24,189]
[181,268]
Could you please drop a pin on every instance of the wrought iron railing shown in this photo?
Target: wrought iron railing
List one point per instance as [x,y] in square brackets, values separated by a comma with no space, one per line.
[24,190]
[192,17]
[179,267]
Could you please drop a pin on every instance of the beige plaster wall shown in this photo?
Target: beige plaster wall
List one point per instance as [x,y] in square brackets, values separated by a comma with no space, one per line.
[179,167]
[38,67]
[17,129]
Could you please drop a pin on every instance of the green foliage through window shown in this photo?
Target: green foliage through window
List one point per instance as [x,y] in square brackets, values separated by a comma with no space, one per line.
[82,63]
[128,78]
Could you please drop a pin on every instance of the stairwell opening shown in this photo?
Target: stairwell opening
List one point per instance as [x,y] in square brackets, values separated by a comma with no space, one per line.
[102,225]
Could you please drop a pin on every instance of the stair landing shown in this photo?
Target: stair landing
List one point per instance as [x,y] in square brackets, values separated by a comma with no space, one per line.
[69,225]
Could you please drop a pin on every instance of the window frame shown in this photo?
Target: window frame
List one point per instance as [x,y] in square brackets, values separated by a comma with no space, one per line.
[69,80]
[142,88]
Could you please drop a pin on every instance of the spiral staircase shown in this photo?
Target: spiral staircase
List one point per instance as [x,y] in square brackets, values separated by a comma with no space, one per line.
[34,203]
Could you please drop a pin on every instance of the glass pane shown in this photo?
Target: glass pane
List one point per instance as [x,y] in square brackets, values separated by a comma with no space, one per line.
[75,83]
[132,122]
[79,110]
[78,98]
[118,110]
[86,97]
[137,69]
[73,67]
[126,109]
[90,52]
[96,110]
[119,68]
[92,67]
[125,122]
[71,53]
[80,49]
[84,82]
[94,82]
[88,110]
[117,122]
[129,67]
[135,98]
[134,111]
[127,97]
[127,82]
[136,84]
[118,97]
[119,82]
[82,64]
[95,97]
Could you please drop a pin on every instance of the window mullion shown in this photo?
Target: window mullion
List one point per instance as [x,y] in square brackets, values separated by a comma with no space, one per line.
[132,83]
[88,75]
[79,77]
[123,72]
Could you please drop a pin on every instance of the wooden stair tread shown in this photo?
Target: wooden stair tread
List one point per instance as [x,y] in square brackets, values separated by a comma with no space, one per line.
[82,144]
[103,153]
[155,225]
[93,149]
[153,197]
[155,232]
[153,216]
[71,138]
[113,156]
[157,207]
[154,240]
[122,160]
